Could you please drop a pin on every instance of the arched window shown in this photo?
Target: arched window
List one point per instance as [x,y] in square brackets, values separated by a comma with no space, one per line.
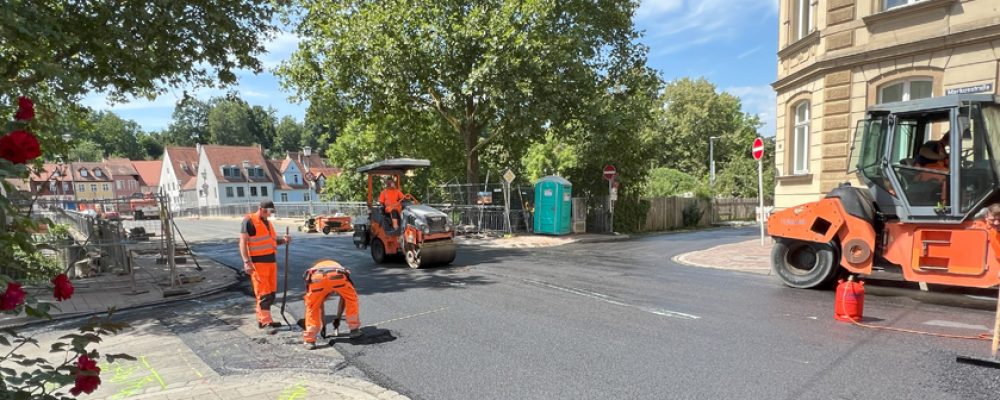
[910,89]
[800,139]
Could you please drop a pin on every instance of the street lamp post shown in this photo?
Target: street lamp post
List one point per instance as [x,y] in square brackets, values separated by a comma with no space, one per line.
[246,167]
[711,160]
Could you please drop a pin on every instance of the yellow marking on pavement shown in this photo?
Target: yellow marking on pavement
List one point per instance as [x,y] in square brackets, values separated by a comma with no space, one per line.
[153,370]
[409,316]
[293,392]
[121,373]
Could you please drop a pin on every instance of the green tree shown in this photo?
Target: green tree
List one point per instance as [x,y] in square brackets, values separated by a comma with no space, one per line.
[739,174]
[668,182]
[693,110]
[496,74]
[118,137]
[288,135]
[85,150]
[262,125]
[125,48]
[229,123]
[190,123]
[151,145]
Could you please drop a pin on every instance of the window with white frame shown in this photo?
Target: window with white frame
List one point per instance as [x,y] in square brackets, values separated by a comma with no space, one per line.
[119,185]
[800,139]
[83,173]
[105,187]
[801,19]
[263,191]
[890,4]
[240,192]
[306,197]
[98,173]
[93,187]
[910,89]
[229,192]
[52,186]
[82,188]
[284,197]
[253,191]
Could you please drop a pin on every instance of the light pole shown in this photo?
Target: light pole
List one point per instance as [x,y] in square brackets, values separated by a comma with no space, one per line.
[711,160]
[246,167]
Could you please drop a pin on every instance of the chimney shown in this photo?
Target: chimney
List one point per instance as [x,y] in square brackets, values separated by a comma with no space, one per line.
[307,151]
[197,147]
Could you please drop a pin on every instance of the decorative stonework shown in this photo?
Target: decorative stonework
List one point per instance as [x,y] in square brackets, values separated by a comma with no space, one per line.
[840,16]
[840,40]
[835,4]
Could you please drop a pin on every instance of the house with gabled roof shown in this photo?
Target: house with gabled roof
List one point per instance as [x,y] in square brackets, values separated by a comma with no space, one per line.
[125,177]
[177,176]
[290,183]
[316,169]
[92,181]
[229,175]
[149,175]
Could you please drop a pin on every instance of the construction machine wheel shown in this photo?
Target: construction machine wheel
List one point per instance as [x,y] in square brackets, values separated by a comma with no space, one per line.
[378,251]
[326,230]
[441,252]
[805,265]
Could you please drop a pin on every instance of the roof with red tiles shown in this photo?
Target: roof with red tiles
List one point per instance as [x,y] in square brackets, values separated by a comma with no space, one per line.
[278,171]
[149,171]
[120,167]
[90,172]
[233,157]
[327,172]
[184,161]
[312,161]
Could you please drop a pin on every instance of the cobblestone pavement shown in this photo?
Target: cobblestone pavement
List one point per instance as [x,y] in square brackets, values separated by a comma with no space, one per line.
[747,256]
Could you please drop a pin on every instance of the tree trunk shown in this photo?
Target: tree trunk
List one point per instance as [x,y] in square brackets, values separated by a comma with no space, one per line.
[471,137]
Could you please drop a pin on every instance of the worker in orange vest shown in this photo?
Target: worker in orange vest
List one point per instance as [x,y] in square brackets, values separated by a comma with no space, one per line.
[392,201]
[259,248]
[322,280]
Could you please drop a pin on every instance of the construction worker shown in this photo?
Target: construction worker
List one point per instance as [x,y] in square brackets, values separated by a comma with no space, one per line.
[322,280]
[392,201]
[259,248]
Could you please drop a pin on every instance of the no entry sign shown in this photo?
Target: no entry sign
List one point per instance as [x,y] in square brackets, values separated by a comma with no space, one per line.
[757,149]
[610,172]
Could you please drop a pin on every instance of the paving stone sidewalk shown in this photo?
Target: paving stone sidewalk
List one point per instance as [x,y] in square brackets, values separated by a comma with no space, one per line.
[167,368]
[747,256]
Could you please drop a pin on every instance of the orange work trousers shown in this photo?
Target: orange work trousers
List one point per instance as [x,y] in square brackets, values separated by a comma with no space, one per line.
[265,287]
[321,282]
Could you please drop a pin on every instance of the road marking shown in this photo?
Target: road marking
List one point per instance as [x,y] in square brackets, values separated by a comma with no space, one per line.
[607,299]
[953,324]
[408,316]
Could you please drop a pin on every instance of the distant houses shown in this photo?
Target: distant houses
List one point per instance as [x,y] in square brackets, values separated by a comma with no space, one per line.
[189,177]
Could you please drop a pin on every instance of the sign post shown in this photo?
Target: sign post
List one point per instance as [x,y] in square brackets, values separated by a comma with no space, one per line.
[508,177]
[610,173]
[758,154]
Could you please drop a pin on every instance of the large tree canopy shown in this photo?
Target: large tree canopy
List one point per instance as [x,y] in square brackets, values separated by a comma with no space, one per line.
[68,48]
[497,74]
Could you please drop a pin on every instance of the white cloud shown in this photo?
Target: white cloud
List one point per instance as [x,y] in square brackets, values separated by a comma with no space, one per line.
[279,49]
[759,100]
[674,25]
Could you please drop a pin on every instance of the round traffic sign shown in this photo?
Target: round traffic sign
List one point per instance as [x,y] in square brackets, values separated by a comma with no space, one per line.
[610,172]
[310,176]
[758,148]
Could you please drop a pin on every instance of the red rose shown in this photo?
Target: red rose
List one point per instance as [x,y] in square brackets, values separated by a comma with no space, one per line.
[12,297]
[19,147]
[63,289]
[25,109]
[87,376]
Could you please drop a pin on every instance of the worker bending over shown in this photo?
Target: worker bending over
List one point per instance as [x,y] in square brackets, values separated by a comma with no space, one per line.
[322,280]
[392,202]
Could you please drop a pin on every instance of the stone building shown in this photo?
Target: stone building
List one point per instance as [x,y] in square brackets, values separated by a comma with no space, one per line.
[837,57]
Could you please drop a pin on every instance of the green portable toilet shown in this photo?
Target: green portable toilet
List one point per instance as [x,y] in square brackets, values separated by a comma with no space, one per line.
[553,205]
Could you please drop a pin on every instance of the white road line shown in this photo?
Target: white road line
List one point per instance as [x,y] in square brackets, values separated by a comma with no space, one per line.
[953,324]
[607,299]
[408,316]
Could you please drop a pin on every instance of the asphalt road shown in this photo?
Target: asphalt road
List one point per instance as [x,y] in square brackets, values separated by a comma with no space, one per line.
[621,320]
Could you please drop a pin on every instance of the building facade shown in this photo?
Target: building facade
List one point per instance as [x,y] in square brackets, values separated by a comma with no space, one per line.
[837,57]
[125,178]
[229,175]
[177,176]
[92,181]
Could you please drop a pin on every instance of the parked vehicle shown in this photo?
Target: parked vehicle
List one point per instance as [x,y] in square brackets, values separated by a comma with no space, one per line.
[919,218]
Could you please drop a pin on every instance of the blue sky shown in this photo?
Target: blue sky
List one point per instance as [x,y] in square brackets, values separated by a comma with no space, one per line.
[732,43]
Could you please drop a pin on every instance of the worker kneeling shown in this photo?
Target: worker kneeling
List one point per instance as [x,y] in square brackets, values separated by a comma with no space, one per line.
[323,279]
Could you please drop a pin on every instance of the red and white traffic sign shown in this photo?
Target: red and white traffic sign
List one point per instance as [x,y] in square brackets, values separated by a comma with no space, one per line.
[610,172]
[758,148]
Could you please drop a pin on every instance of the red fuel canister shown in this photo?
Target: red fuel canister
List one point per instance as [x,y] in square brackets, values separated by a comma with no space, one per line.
[849,304]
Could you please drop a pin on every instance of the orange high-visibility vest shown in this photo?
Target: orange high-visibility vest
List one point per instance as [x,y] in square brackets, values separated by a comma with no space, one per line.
[262,246]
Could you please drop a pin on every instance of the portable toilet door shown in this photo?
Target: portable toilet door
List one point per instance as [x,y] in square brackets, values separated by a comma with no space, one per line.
[552,209]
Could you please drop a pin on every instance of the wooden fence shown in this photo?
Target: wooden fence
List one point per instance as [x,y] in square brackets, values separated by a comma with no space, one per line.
[666,213]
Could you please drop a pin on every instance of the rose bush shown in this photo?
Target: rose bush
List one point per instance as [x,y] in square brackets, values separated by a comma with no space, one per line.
[23,377]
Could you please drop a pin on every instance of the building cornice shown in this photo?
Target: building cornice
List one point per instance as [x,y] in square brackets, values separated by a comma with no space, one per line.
[855,56]
[806,41]
[907,10]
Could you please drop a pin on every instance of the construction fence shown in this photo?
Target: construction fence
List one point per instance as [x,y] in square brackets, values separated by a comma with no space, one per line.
[106,237]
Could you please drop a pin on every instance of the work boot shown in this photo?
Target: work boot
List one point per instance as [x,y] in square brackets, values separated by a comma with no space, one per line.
[356,333]
[310,346]
[262,325]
